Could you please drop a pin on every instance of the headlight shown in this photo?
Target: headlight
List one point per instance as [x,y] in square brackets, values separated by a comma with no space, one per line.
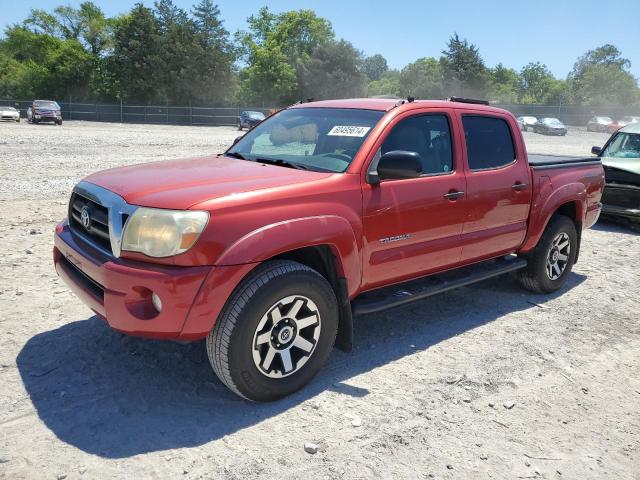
[163,233]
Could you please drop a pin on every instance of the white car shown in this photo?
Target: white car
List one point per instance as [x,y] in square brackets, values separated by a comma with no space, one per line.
[9,113]
[526,122]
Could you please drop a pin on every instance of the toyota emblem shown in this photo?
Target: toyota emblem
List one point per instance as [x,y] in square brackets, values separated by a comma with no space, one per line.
[85,217]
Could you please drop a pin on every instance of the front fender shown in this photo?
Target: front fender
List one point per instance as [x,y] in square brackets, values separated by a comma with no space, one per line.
[547,203]
[281,237]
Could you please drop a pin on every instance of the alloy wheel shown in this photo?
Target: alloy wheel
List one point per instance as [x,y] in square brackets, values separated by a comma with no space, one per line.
[558,256]
[286,336]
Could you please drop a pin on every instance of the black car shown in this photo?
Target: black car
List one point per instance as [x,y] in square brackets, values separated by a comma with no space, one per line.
[249,119]
[550,126]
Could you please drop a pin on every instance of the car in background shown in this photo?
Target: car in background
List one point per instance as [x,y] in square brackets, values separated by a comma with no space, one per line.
[623,122]
[550,126]
[621,161]
[599,124]
[44,111]
[250,119]
[526,122]
[9,113]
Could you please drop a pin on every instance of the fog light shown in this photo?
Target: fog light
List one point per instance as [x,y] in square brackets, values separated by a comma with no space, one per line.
[155,299]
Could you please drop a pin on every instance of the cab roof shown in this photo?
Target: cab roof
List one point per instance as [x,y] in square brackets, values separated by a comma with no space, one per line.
[386,104]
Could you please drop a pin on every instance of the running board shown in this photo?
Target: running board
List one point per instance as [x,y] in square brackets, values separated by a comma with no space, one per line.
[414,290]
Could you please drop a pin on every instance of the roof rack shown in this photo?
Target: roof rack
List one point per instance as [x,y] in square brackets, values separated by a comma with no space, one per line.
[468,100]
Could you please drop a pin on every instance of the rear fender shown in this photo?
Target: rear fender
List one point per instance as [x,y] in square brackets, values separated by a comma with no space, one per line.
[547,204]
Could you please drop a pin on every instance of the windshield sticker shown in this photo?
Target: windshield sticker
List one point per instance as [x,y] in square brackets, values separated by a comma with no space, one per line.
[348,131]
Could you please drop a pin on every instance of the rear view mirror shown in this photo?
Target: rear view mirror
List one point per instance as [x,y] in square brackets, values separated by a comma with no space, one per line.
[596,150]
[398,164]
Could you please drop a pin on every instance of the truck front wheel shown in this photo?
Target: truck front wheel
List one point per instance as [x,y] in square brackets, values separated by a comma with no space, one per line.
[551,260]
[276,331]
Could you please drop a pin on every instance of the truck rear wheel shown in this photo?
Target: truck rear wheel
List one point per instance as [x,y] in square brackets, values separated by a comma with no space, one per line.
[275,332]
[551,260]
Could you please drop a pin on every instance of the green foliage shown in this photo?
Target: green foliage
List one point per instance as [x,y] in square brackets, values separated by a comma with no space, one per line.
[375,66]
[423,78]
[601,77]
[168,55]
[277,49]
[333,70]
[388,84]
[464,70]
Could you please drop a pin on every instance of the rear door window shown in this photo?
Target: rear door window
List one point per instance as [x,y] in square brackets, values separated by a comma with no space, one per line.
[489,142]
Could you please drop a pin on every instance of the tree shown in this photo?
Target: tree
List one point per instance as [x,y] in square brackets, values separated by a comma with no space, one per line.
[214,75]
[375,66]
[135,61]
[277,45]
[504,84]
[536,83]
[333,71]
[43,65]
[423,78]
[388,84]
[464,70]
[602,77]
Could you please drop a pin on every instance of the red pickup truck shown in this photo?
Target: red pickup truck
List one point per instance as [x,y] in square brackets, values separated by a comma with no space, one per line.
[324,211]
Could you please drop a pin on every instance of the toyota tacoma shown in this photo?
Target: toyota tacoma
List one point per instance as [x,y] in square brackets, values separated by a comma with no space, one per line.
[324,211]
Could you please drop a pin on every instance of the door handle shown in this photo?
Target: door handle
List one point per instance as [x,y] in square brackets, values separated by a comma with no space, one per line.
[453,195]
[520,186]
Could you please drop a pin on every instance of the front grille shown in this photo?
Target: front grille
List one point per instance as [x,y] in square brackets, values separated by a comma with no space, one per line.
[621,197]
[98,230]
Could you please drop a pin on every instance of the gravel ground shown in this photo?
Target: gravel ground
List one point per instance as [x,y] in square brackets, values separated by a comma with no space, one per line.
[487,381]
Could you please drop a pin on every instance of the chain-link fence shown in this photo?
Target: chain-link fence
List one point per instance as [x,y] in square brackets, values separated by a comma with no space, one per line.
[158,114]
[212,115]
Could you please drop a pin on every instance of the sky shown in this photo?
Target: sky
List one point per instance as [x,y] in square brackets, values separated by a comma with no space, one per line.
[513,32]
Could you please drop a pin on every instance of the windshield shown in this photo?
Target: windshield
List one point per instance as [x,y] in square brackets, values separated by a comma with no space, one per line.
[46,104]
[552,121]
[624,145]
[8,108]
[257,115]
[321,139]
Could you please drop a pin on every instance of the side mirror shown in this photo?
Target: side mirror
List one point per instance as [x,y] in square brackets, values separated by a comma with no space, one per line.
[397,164]
[596,150]
[237,139]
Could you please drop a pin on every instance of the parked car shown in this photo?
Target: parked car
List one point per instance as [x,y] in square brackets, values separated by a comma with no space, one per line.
[9,113]
[526,122]
[550,126]
[623,122]
[44,111]
[323,211]
[249,119]
[621,160]
[599,124]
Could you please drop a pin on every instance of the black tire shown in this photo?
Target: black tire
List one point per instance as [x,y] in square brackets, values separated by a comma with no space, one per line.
[239,128]
[535,277]
[231,343]
[59,122]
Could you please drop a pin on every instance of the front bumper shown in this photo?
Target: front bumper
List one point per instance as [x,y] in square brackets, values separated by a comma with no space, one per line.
[120,291]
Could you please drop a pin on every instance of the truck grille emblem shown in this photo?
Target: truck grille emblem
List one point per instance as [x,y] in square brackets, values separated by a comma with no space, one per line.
[85,217]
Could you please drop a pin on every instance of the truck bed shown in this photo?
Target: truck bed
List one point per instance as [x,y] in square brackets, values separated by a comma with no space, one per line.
[560,161]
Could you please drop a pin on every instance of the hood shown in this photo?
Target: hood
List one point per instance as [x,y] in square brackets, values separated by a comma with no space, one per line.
[180,184]
[629,165]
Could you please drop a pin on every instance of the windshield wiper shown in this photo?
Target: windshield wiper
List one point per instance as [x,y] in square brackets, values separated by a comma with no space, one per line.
[281,163]
[235,155]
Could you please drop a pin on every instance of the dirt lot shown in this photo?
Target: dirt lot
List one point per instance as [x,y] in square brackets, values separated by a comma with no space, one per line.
[483,382]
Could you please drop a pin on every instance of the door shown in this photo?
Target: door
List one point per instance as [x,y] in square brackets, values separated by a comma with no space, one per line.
[498,187]
[413,226]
